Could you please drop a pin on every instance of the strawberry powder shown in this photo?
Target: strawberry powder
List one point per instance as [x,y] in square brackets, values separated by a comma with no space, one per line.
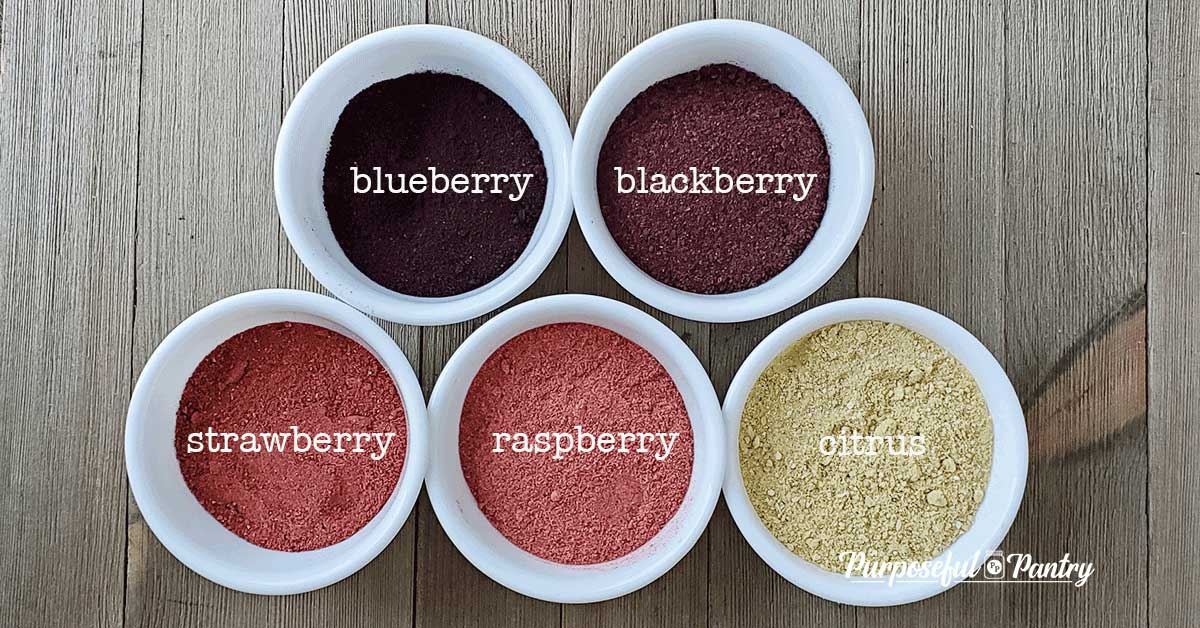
[267,379]
[587,507]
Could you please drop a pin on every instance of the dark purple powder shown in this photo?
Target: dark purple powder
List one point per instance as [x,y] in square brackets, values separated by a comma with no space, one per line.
[428,244]
[716,116]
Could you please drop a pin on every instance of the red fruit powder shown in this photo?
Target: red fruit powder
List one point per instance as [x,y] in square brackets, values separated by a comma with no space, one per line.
[267,379]
[585,508]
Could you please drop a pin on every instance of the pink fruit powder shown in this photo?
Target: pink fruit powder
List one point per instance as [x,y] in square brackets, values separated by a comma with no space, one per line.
[587,507]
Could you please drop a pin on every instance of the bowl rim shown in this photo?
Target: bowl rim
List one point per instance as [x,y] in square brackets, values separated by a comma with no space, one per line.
[707,464]
[1008,424]
[390,518]
[754,302]
[374,299]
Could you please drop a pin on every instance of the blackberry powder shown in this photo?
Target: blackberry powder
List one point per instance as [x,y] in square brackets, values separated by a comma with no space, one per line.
[713,181]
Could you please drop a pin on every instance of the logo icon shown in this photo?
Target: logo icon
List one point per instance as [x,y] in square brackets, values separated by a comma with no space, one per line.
[993,566]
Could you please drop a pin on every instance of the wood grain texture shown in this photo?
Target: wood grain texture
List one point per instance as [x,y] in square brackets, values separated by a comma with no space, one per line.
[68,145]
[934,98]
[1074,388]
[206,230]
[601,32]
[1174,303]
[381,593]
[1038,180]
[449,591]
[743,591]
[1075,249]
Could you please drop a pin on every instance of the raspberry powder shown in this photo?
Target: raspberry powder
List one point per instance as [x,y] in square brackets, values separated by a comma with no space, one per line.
[267,379]
[585,508]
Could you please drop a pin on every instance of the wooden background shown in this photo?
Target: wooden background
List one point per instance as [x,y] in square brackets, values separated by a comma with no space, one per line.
[1038,181]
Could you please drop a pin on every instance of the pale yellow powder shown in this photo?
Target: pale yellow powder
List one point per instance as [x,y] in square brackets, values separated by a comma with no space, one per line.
[877,379]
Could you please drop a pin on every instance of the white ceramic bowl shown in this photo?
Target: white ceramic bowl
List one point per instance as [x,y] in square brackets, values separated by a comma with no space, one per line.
[304,142]
[793,66]
[517,569]
[183,526]
[1010,452]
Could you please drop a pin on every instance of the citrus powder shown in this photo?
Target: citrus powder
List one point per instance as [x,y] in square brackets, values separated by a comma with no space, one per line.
[865,437]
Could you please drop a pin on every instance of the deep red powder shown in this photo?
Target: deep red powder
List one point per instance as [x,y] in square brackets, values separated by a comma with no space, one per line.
[267,379]
[716,116]
[587,507]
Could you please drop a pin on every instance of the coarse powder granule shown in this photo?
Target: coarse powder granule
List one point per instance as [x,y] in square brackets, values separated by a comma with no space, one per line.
[432,244]
[587,507]
[266,379]
[716,116]
[877,379]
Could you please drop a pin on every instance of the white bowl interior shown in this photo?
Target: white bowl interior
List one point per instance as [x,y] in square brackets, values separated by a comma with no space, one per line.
[177,518]
[796,68]
[1010,457]
[304,142]
[512,566]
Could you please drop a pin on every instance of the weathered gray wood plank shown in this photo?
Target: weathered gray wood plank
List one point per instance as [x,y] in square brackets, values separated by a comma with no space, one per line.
[206,229]
[381,593]
[1074,200]
[68,185]
[743,591]
[601,32]
[1012,185]
[449,590]
[1174,300]
[934,97]
[934,100]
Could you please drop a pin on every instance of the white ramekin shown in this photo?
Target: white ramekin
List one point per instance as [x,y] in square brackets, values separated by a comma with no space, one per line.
[1010,452]
[790,64]
[495,555]
[179,521]
[304,142]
